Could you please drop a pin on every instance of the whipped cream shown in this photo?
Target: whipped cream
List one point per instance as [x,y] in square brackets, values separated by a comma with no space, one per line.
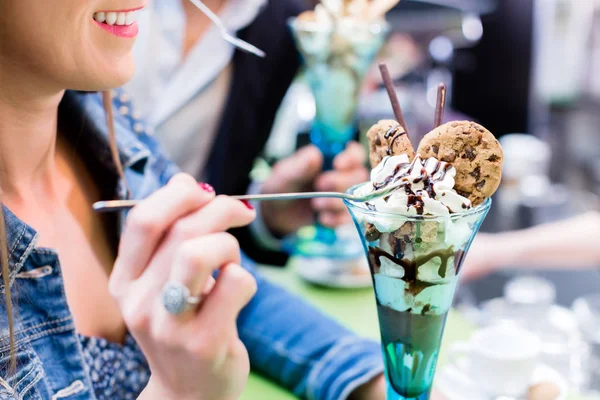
[420,188]
[345,17]
[341,9]
[423,187]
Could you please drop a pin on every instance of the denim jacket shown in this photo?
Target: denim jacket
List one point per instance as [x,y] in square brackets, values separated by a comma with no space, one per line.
[287,340]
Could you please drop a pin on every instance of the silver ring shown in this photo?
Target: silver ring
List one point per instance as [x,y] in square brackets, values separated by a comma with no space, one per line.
[176,298]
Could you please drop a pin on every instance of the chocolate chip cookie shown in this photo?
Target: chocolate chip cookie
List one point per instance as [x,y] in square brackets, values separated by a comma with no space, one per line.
[388,138]
[473,151]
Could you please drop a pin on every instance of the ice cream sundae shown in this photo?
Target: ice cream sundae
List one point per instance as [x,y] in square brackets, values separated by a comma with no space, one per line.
[417,236]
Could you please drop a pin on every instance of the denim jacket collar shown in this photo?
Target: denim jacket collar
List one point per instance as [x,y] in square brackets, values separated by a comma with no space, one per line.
[85,110]
[20,240]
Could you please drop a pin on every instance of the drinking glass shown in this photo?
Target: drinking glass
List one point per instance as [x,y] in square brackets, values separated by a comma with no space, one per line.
[336,58]
[414,263]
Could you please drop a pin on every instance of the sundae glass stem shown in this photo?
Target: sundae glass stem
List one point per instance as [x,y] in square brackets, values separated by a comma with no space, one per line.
[325,234]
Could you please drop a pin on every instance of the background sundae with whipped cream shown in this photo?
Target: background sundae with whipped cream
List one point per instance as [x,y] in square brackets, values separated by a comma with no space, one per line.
[338,41]
[334,11]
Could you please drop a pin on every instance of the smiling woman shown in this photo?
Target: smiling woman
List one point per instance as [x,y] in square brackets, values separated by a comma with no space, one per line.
[93,303]
[59,45]
[29,41]
[55,161]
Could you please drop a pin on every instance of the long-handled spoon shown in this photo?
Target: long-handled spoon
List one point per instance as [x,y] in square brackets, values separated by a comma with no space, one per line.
[239,43]
[120,205]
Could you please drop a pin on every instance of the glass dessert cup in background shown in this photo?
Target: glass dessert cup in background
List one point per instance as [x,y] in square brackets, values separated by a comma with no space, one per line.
[336,59]
[414,262]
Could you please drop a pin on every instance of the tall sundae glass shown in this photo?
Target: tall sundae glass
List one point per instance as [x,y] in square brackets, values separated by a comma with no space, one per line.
[414,262]
[336,57]
[337,53]
[417,235]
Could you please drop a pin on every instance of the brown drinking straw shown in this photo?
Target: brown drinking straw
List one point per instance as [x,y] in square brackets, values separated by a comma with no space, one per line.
[439,105]
[389,86]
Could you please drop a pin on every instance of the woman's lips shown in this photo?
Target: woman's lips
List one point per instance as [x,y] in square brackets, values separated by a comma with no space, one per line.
[126,31]
[119,23]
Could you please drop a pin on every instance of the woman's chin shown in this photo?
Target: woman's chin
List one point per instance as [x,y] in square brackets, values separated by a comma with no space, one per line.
[106,80]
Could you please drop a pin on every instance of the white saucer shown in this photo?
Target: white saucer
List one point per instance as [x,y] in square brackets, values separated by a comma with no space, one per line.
[334,273]
[454,384]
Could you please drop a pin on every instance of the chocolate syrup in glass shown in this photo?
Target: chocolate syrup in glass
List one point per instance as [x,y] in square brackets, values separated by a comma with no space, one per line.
[411,341]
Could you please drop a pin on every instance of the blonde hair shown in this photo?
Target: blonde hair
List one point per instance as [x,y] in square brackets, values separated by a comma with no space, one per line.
[107,103]
[7,291]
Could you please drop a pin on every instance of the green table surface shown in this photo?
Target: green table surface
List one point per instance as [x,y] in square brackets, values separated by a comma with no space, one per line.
[354,308]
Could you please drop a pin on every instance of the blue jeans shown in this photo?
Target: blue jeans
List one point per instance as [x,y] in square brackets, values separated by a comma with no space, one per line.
[301,348]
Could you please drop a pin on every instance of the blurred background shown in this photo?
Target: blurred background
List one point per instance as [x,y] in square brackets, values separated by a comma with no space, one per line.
[522,68]
[529,71]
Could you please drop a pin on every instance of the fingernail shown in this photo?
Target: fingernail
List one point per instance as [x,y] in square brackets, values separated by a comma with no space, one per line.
[248,205]
[206,187]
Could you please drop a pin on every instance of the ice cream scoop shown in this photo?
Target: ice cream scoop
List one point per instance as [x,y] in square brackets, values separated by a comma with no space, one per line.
[421,187]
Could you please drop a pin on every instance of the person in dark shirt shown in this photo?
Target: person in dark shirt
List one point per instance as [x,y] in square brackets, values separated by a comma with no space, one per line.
[212,108]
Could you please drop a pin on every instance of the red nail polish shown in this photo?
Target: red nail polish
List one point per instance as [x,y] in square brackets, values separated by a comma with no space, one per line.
[247,204]
[206,187]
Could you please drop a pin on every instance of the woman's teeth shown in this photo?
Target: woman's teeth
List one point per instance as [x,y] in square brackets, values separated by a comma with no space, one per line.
[116,18]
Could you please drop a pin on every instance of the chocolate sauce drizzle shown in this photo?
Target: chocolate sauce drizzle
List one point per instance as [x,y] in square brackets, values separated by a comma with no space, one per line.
[458,260]
[391,131]
[411,267]
[393,177]
[426,309]
[388,179]
[417,202]
[428,179]
[395,131]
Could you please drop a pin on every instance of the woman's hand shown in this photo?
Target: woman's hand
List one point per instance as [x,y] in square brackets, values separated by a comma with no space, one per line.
[177,235]
[303,172]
